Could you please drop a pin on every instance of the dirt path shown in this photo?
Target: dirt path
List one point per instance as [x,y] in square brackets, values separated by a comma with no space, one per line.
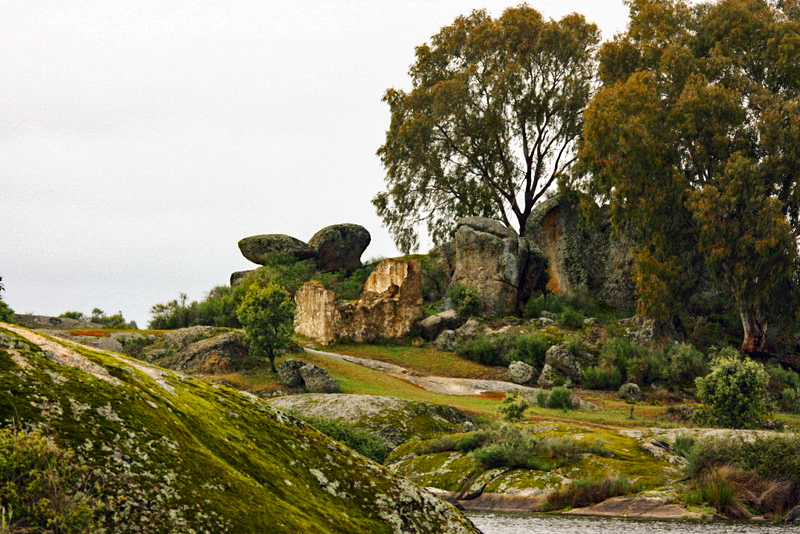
[434,384]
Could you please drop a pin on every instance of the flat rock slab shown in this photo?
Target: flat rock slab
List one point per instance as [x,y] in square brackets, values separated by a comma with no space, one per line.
[645,507]
[494,502]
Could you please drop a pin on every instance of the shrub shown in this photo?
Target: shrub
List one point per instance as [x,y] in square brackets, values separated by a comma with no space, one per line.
[571,319]
[42,487]
[595,377]
[617,352]
[589,491]
[513,407]
[465,299]
[686,363]
[530,348]
[536,305]
[648,367]
[363,441]
[480,349]
[773,457]
[560,398]
[735,492]
[734,390]
[134,346]
[6,313]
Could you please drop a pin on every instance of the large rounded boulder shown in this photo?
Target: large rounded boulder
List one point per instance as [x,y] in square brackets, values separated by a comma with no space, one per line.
[258,248]
[339,247]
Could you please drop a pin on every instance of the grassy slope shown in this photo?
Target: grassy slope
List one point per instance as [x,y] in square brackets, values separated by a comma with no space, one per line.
[215,459]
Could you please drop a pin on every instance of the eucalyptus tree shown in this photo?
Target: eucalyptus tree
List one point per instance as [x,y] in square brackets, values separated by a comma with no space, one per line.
[694,140]
[490,123]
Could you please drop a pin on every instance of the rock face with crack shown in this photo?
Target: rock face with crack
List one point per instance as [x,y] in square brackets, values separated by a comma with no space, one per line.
[183,455]
[491,258]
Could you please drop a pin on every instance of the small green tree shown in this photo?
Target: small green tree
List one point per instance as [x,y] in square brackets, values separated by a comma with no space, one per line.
[267,315]
[735,390]
[6,313]
[513,407]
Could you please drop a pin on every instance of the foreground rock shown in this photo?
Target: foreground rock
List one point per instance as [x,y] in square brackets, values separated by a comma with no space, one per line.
[396,420]
[389,305]
[181,455]
[339,247]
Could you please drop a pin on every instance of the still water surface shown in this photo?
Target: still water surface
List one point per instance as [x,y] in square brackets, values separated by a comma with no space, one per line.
[500,523]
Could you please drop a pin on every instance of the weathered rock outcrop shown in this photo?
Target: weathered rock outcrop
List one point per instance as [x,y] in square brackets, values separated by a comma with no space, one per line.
[257,248]
[436,324]
[224,353]
[580,257]
[396,420]
[318,315]
[390,304]
[521,372]
[339,247]
[494,260]
[289,372]
[179,454]
[317,379]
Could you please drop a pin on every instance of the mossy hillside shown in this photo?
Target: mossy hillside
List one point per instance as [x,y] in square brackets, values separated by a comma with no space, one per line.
[454,471]
[198,457]
[396,420]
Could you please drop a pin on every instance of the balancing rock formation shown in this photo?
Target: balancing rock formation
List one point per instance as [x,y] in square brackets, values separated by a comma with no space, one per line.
[334,248]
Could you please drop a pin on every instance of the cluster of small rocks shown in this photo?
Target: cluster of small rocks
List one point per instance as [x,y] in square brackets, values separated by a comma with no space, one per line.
[295,373]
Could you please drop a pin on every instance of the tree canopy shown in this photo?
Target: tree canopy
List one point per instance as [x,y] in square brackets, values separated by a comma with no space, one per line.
[490,123]
[267,315]
[694,140]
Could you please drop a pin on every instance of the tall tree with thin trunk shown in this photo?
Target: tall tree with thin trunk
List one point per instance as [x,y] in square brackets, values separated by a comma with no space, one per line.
[490,124]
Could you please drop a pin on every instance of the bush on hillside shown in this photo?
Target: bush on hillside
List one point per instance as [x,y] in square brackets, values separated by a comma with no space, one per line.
[465,299]
[480,349]
[734,391]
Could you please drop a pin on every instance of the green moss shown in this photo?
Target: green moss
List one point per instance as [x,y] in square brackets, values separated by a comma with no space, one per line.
[197,457]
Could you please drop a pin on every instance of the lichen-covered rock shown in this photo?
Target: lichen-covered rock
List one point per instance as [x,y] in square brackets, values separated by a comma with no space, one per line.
[580,256]
[224,353]
[390,304]
[446,341]
[561,359]
[258,248]
[630,392]
[491,258]
[171,453]
[396,420]
[521,372]
[183,337]
[317,379]
[432,326]
[289,372]
[239,276]
[549,376]
[339,247]
[470,329]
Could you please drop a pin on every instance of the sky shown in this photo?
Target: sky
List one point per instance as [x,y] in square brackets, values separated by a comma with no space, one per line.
[141,140]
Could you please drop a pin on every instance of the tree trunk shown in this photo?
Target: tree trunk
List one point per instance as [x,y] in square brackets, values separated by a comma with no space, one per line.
[755,332]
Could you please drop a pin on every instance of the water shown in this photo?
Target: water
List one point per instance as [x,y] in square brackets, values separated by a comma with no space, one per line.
[502,523]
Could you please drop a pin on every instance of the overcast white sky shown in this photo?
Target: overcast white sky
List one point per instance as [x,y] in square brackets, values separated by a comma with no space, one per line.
[140,140]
